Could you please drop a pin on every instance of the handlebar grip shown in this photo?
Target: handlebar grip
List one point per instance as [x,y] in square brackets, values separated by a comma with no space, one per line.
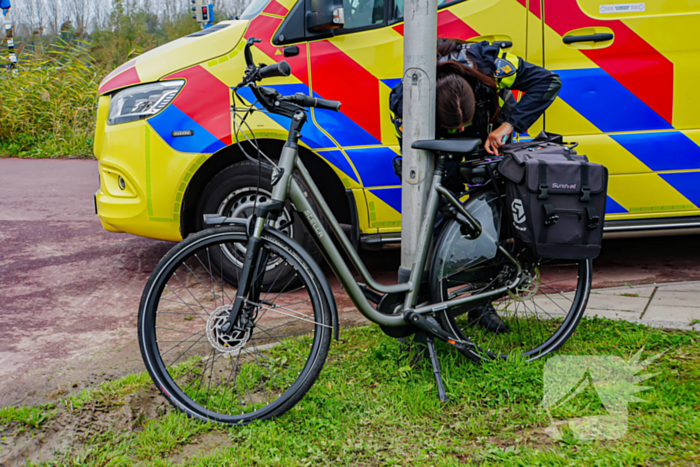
[306,101]
[327,104]
[276,69]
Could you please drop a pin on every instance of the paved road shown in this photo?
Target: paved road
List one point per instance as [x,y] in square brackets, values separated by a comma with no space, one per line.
[69,290]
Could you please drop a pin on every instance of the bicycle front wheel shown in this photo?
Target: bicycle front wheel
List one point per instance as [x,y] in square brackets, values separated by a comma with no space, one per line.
[536,318]
[266,364]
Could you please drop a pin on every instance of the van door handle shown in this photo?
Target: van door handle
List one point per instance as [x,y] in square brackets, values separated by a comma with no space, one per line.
[503,44]
[600,37]
[291,51]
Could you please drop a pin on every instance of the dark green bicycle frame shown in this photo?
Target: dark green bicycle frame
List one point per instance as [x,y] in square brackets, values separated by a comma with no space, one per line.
[288,188]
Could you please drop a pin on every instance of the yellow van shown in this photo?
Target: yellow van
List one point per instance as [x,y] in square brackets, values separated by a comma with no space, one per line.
[166,139]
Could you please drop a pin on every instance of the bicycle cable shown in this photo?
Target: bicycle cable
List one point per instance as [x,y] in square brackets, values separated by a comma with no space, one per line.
[238,129]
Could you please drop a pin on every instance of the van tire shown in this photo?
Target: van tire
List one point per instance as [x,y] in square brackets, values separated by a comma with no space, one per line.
[232,192]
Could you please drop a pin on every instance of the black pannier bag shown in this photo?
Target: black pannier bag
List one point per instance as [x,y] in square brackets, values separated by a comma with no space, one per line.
[556,199]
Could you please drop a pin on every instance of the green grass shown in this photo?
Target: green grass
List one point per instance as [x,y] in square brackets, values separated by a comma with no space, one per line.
[370,407]
[109,393]
[31,417]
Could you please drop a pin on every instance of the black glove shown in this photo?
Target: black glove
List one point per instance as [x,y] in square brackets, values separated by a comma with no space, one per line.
[397,162]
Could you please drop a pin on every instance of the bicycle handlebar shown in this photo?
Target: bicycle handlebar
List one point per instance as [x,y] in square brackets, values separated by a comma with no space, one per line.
[276,69]
[306,101]
[268,96]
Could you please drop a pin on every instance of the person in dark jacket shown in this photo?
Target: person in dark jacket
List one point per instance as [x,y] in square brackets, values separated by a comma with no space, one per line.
[474,100]
[473,93]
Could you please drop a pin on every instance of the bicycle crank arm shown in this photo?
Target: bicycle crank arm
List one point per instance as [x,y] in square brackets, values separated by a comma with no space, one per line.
[431,327]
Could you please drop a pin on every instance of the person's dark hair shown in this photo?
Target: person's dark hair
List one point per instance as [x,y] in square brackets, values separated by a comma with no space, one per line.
[455,101]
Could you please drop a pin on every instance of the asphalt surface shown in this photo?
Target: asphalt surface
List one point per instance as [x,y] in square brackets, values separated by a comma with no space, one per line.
[69,290]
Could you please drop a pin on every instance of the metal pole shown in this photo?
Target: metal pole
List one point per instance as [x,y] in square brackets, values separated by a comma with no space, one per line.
[419,64]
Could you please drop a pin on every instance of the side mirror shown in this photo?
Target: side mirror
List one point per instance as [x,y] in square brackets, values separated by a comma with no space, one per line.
[324,15]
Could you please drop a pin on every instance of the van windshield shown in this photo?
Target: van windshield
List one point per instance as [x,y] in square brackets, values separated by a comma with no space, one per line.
[254,9]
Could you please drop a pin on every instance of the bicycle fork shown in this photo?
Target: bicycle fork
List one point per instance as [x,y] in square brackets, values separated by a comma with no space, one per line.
[256,258]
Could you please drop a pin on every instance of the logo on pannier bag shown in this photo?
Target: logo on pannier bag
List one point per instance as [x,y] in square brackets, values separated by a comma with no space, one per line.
[564,186]
[518,214]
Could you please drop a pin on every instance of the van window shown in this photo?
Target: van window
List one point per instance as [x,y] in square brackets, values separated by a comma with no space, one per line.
[398,7]
[363,13]
[254,9]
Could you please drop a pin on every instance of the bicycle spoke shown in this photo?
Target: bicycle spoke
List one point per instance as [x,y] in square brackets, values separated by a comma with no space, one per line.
[188,306]
[299,318]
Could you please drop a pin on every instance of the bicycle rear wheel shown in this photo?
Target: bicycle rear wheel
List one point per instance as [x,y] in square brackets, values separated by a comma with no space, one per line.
[540,315]
[262,368]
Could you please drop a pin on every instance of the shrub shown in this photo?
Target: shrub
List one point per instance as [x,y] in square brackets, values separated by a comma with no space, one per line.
[47,108]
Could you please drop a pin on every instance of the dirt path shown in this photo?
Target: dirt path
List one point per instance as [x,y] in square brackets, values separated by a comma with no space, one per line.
[69,290]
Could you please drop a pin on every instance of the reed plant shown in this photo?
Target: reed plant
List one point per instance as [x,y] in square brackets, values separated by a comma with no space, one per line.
[48,105]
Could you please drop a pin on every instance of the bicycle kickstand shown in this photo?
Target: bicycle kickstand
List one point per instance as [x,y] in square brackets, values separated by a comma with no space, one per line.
[442,395]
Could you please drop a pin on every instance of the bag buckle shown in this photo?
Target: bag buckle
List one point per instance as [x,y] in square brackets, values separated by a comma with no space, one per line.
[593,219]
[544,192]
[550,212]
[586,194]
[551,220]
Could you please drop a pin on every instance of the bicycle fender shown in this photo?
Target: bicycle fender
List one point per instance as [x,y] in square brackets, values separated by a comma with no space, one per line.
[214,219]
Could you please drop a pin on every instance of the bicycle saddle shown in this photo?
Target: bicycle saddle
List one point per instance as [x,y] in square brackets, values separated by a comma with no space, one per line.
[450,146]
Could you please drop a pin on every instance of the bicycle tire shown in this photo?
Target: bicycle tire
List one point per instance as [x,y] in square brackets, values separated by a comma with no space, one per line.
[275,360]
[551,314]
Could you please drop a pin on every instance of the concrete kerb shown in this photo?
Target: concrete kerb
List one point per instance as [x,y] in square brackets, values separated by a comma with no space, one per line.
[672,305]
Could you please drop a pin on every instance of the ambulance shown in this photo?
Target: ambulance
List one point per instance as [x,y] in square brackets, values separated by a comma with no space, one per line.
[166,136]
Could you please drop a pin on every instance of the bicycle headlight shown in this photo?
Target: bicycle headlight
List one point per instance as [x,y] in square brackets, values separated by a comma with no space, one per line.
[142,101]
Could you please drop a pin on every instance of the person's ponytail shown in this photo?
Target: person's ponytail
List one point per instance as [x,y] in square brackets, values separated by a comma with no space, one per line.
[468,73]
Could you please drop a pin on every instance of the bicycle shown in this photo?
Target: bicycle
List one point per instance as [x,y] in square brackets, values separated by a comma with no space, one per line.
[244,343]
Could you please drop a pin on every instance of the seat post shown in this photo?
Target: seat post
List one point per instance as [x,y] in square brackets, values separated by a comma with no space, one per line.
[425,235]
[440,164]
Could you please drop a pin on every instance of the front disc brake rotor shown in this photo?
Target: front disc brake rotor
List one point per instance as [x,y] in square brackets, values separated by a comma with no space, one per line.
[221,341]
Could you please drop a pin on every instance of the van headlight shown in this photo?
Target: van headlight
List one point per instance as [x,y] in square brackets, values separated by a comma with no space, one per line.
[142,101]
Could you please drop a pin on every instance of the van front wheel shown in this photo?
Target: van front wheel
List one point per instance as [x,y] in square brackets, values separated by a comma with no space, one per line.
[234,192]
